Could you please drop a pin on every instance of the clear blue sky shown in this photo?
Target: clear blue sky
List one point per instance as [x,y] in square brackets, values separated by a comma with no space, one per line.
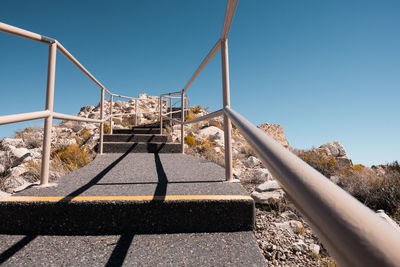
[325,70]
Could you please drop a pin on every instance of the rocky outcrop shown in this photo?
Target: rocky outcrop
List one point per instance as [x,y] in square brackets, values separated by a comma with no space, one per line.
[276,132]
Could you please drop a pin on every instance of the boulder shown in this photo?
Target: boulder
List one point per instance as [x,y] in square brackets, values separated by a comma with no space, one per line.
[299,246]
[276,132]
[268,198]
[252,162]
[314,248]
[3,194]
[262,174]
[336,149]
[20,154]
[268,186]
[213,133]
[11,184]
[6,143]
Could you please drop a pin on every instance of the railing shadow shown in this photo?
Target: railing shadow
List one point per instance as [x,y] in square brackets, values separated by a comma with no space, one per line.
[121,250]
[97,178]
[15,248]
[161,189]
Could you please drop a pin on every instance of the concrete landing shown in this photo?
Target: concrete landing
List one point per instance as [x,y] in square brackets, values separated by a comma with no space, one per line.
[140,193]
[201,249]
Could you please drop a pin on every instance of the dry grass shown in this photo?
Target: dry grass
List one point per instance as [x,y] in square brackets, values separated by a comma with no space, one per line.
[319,161]
[73,157]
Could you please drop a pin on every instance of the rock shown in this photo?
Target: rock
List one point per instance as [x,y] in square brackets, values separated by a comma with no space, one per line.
[269,198]
[314,248]
[252,161]
[291,227]
[6,143]
[143,96]
[17,171]
[2,168]
[20,154]
[336,149]
[13,183]
[276,132]
[212,133]
[3,194]
[342,162]
[299,246]
[268,186]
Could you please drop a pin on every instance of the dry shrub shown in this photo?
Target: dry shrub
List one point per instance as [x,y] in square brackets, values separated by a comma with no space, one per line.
[73,156]
[85,133]
[196,109]
[376,192]
[212,155]
[107,128]
[189,140]
[319,161]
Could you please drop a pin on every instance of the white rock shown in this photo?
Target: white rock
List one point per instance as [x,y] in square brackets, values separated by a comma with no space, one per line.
[20,153]
[270,198]
[252,161]
[262,174]
[314,248]
[91,127]
[213,133]
[17,171]
[268,186]
[336,148]
[2,168]
[12,183]
[299,246]
[4,194]
[8,143]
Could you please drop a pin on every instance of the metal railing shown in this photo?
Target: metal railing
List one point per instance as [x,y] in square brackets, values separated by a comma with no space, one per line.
[48,114]
[353,233]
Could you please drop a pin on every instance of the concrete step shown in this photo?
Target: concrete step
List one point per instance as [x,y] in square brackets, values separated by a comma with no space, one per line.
[139,130]
[198,249]
[136,138]
[139,147]
[93,215]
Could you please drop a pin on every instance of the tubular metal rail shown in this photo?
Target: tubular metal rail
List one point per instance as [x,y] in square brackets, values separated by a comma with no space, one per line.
[48,114]
[353,233]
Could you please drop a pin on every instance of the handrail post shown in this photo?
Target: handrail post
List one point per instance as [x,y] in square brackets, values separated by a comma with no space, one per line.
[182,119]
[136,109]
[226,103]
[160,103]
[101,118]
[111,112]
[170,112]
[51,73]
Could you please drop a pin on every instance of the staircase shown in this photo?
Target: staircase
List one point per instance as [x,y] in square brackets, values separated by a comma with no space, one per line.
[140,139]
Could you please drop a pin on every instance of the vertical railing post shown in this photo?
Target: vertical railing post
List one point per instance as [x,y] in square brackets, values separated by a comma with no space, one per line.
[182,119]
[51,73]
[111,112]
[101,118]
[170,112]
[161,125]
[136,110]
[226,103]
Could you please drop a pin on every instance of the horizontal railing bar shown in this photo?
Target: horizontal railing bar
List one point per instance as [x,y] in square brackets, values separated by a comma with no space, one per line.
[173,93]
[202,118]
[68,55]
[210,55]
[62,116]
[171,119]
[24,117]
[230,10]
[24,33]
[206,117]
[121,96]
[353,233]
